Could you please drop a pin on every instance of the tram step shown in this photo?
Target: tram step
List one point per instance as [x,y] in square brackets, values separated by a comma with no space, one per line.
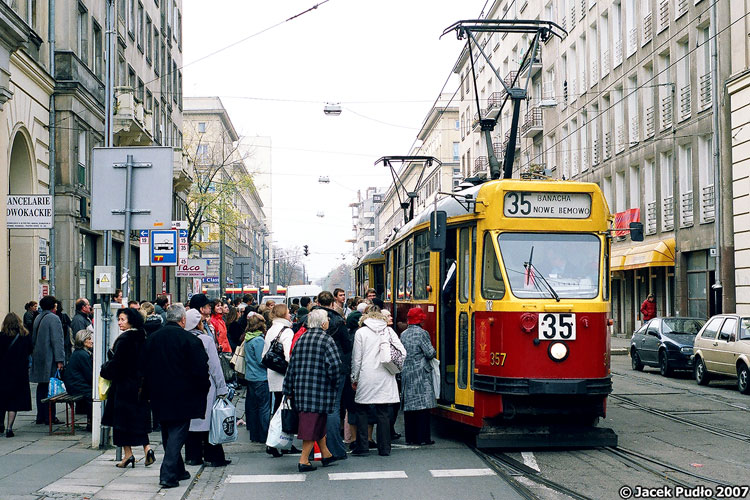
[531,437]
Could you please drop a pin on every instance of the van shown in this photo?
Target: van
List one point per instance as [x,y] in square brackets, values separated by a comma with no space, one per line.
[299,291]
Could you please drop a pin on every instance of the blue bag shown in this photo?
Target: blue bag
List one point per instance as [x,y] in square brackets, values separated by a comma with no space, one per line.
[56,386]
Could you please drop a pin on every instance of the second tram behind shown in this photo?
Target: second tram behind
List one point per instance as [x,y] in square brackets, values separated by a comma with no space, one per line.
[516,301]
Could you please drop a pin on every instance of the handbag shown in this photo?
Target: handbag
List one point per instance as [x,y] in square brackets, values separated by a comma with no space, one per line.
[277,438]
[289,417]
[226,367]
[391,357]
[223,423]
[274,358]
[103,385]
[56,386]
[238,360]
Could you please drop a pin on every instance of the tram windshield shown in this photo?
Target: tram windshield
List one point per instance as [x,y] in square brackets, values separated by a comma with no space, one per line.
[552,265]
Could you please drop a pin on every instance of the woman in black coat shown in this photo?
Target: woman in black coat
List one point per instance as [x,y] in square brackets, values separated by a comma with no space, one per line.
[15,349]
[32,310]
[126,411]
[79,371]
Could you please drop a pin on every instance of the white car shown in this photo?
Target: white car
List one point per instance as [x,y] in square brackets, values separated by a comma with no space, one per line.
[279,299]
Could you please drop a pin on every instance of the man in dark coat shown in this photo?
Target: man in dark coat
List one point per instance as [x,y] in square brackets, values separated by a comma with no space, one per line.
[160,307]
[81,319]
[340,333]
[48,355]
[175,369]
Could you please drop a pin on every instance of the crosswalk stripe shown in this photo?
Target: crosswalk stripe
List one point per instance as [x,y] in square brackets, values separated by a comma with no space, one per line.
[461,472]
[266,478]
[385,474]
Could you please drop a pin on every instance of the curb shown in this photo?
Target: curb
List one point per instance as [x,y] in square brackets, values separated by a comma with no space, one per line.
[193,481]
[620,351]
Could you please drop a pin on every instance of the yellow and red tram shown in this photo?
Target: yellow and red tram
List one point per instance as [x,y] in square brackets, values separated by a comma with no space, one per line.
[516,301]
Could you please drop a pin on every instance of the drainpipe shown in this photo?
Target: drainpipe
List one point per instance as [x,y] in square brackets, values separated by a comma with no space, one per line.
[52,159]
[717,287]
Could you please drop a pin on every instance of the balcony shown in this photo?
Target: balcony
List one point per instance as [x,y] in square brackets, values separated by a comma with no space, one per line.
[632,41]
[481,164]
[650,119]
[497,148]
[704,83]
[682,8]
[686,209]
[605,63]
[583,9]
[685,107]
[620,139]
[667,223]
[548,95]
[633,132]
[648,29]
[534,171]
[572,15]
[509,82]
[533,123]
[618,53]
[507,140]
[651,217]
[564,23]
[476,125]
[182,172]
[594,71]
[708,204]
[534,65]
[493,104]
[607,145]
[663,15]
[128,124]
[595,152]
[666,112]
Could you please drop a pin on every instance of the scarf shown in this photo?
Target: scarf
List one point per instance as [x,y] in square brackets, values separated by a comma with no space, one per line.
[251,335]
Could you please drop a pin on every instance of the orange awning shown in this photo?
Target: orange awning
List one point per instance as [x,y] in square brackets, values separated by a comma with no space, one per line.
[653,254]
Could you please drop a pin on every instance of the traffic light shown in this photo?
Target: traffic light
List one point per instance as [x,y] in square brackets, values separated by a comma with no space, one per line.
[306,251]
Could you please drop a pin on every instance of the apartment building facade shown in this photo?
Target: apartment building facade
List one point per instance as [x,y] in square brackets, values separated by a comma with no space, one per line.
[625,100]
[26,85]
[221,167]
[364,226]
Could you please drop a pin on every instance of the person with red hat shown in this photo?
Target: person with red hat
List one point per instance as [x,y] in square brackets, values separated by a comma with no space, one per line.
[416,379]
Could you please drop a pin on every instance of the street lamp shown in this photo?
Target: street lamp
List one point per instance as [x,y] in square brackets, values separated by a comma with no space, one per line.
[332,109]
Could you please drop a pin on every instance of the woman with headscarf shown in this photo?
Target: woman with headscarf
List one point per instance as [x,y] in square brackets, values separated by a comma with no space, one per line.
[416,379]
[197,447]
[77,374]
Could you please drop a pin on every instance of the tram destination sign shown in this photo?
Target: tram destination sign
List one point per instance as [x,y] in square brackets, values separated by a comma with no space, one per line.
[547,205]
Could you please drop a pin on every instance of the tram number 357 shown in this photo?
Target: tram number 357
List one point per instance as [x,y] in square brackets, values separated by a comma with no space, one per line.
[557,326]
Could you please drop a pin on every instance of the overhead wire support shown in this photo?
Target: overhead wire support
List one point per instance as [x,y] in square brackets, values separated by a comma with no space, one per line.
[542,30]
[407,204]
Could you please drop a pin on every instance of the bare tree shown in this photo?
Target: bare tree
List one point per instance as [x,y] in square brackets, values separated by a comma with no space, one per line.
[288,266]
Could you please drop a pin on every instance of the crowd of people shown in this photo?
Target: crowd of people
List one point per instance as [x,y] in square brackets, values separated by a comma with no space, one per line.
[170,363]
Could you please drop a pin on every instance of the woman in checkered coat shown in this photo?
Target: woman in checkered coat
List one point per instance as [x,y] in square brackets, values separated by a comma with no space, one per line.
[310,382]
[416,379]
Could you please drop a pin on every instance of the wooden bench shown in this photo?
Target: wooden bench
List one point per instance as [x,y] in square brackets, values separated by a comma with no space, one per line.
[69,401]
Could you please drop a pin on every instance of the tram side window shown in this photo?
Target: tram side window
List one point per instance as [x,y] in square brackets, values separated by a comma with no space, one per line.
[464,260]
[365,277]
[493,286]
[409,268]
[388,281]
[421,266]
[401,264]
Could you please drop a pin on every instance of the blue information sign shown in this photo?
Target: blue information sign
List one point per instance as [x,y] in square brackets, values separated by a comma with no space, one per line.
[210,279]
[163,248]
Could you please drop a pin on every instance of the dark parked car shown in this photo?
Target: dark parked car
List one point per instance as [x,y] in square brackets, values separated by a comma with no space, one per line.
[666,343]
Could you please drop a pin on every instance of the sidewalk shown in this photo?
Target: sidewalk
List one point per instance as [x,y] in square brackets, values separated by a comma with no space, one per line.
[36,466]
[619,346]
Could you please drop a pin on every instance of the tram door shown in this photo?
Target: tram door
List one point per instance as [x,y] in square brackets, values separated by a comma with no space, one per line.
[464,308]
[447,310]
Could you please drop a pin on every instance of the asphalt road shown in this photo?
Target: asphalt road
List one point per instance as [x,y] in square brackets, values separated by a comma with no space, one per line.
[685,435]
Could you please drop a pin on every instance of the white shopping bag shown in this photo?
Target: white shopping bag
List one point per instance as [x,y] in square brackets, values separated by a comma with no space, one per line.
[223,423]
[276,437]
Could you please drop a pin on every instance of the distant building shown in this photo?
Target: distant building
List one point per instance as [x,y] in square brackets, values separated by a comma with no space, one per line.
[363,219]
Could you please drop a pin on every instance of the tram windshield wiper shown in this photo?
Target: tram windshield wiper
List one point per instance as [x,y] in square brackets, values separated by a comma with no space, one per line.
[532,273]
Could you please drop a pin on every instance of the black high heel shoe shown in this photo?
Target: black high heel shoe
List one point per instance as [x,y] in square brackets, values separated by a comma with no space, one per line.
[150,458]
[124,465]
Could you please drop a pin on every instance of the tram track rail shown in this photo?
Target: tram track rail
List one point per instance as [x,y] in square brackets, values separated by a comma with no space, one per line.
[739,436]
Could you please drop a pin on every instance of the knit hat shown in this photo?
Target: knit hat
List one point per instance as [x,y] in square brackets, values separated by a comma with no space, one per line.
[192,318]
[362,307]
[415,316]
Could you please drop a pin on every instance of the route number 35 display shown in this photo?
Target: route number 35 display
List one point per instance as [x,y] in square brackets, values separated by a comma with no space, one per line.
[557,326]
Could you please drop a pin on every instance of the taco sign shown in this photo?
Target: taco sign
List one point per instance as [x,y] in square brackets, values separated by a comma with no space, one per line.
[29,211]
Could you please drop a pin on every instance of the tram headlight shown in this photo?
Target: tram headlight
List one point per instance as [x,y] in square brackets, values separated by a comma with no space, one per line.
[558,351]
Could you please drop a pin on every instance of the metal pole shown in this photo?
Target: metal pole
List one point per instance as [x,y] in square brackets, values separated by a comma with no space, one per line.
[52,159]
[713,19]
[128,212]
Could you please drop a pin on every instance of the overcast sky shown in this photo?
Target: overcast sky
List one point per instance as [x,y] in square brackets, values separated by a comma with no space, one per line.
[382,60]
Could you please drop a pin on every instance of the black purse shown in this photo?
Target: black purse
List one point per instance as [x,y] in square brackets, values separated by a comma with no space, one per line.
[274,359]
[289,418]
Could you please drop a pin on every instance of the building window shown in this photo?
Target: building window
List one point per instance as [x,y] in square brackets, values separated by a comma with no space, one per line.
[455,151]
[131,19]
[139,20]
[179,31]
[706,178]
[157,52]
[82,159]
[686,185]
[121,10]
[635,187]
[141,90]
[149,100]
[667,183]
[121,71]
[83,34]
[650,193]
[149,40]
[131,78]
[96,32]
[620,198]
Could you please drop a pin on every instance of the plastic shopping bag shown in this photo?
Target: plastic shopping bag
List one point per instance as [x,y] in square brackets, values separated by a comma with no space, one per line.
[276,437]
[435,376]
[223,423]
[103,388]
[56,386]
